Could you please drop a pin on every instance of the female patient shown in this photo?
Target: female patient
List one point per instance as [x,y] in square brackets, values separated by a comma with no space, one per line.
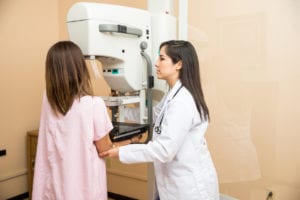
[74,125]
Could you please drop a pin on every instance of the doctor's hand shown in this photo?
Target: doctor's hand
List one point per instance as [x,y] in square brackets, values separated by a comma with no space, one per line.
[111,153]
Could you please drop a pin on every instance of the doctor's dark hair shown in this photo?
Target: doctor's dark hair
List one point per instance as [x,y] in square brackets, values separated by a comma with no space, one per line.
[67,76]
[189,74]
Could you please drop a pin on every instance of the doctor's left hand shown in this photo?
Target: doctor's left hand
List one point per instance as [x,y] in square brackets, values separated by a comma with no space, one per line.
[111,153]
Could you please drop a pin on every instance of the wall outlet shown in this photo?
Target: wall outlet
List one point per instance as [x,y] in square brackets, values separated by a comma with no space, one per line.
[2,152]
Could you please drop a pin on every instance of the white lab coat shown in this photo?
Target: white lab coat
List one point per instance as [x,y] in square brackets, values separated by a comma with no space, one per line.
[182,163]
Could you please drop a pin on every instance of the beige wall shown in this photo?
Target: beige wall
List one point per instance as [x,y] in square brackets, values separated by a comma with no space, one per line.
[250,68]
[28,27]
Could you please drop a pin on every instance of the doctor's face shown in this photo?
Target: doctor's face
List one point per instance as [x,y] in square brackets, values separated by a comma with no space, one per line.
[165,68]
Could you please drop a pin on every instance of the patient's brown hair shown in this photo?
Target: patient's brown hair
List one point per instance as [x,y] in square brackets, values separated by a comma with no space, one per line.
[67,76]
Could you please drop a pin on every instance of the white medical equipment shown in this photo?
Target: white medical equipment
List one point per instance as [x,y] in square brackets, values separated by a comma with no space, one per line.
[113,35]
[121,39]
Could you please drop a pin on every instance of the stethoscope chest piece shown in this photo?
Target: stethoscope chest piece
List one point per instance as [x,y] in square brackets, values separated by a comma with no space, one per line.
[157,129]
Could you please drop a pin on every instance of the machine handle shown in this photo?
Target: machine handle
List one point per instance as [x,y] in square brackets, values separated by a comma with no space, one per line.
[120,29]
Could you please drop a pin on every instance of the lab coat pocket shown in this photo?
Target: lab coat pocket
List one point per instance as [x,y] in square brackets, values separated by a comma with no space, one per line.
[182,187]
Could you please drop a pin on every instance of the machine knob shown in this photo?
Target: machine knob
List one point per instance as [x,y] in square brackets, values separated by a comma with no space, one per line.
[143,45]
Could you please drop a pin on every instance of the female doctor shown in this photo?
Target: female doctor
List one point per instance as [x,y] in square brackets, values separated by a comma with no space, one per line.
[182,162]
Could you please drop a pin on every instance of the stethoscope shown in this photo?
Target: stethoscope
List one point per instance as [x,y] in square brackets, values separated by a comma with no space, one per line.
[157,129]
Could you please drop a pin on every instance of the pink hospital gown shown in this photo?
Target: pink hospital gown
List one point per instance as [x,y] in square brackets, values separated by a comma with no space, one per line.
[67,165]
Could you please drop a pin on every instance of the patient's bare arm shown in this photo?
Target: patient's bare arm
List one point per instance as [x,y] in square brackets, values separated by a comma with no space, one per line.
[103,144]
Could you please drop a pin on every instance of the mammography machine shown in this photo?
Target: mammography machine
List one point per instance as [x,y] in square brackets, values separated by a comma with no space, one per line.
[122,39]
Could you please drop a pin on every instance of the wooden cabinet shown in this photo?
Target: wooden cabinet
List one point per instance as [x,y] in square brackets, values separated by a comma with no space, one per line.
[127,180]
[31,150]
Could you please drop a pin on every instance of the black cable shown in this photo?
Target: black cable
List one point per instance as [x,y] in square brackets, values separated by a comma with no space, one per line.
[270,196]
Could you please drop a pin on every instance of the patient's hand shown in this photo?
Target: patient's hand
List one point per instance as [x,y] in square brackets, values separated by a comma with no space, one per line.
[136,139]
